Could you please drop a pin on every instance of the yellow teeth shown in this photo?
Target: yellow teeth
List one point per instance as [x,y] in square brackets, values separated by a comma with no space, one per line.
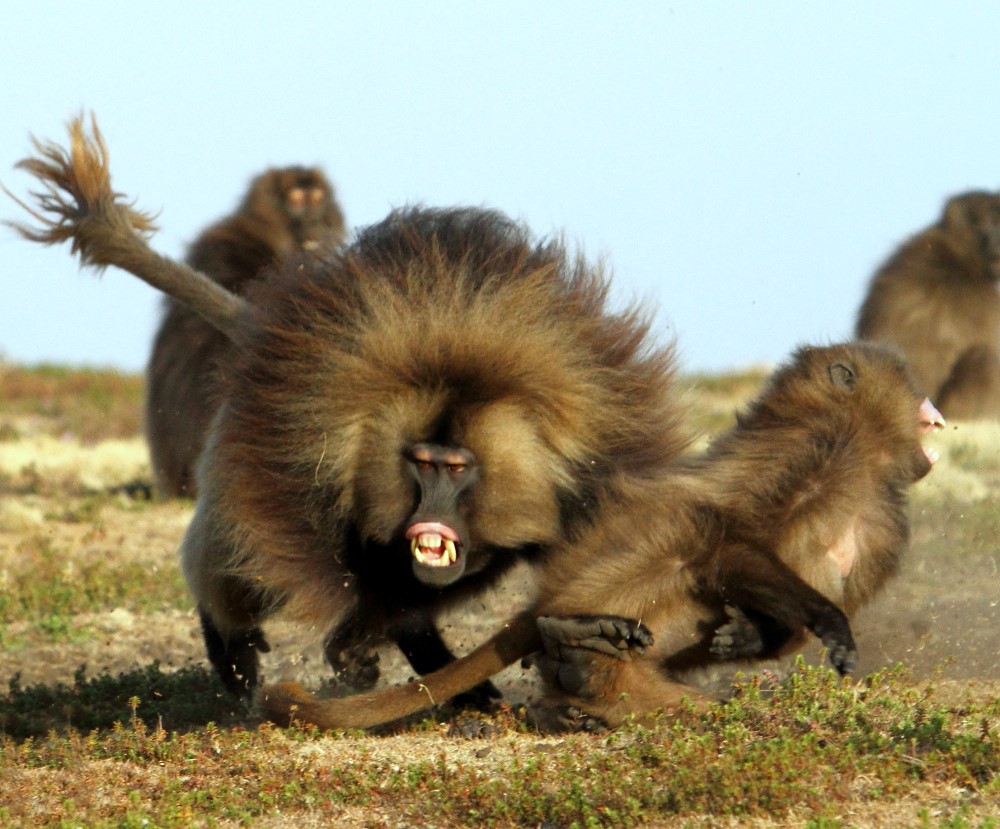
[427,549]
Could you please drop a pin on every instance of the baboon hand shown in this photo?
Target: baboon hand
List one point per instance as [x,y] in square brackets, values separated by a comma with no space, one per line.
[557,718]
[739,638]
[834,631]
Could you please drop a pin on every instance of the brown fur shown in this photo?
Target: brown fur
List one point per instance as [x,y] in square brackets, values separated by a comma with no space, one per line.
[286,211]
[79,206]
[809,485]
[937,299]
[444,328]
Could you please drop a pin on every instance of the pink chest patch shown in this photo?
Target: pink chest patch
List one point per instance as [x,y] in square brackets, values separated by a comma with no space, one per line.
[844,552]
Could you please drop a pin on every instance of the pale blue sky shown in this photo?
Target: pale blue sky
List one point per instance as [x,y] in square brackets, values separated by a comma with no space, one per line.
[742,165]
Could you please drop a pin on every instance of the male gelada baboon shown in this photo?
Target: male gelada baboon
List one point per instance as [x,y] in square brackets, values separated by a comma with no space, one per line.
[286,211]
[403,418]
[937,299]
[788,522]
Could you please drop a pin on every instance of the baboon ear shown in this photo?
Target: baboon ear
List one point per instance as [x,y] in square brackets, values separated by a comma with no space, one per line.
[843,376]
[957,213]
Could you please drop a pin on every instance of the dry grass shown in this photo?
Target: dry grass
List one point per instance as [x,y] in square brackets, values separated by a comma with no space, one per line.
[88,404]
[111,719]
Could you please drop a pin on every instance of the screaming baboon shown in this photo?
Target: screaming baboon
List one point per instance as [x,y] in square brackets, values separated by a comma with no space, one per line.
[403,418]
[285,211]
[937,299]
[788,522]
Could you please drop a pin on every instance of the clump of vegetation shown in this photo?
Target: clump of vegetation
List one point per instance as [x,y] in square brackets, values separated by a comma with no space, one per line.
[814,743]
[177,700]
[49,586]
[167,748]
[90,404]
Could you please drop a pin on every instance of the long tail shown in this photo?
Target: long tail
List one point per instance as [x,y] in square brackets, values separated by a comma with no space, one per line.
[79,205]
[289,702]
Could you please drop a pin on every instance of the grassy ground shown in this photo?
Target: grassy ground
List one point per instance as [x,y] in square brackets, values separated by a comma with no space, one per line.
[108,716]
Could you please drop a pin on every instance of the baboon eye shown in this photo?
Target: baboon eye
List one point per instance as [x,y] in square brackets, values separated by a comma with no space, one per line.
[296,197]
[456,468]
[424,464]
[316,196]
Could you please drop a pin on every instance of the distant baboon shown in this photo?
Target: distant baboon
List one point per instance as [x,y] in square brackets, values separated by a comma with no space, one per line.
[285,211]
[792,520]
[403,418]
[937,299]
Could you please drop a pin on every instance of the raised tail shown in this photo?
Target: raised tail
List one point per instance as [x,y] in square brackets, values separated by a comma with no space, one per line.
[79,206]
[289,702]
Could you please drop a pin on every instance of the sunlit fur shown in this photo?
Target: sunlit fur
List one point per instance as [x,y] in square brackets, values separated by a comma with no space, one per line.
[811,481]
[436,326]
[937,299]
[286,210]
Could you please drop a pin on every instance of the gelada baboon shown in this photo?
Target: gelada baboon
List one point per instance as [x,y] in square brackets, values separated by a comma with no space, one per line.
[404,418]
[937,299]
[286,211]
[788,522]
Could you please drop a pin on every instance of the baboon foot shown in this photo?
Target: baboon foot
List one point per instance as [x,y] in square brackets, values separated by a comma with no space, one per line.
[356,665]
[611,635]
[235,656]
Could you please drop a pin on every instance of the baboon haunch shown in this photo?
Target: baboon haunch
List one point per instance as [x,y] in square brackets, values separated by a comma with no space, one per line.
[937,299]
[403,418]
[286,211]
[789,522]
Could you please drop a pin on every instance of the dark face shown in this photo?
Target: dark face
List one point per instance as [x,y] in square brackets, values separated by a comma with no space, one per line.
[437,531]
[308,205]
[978,213]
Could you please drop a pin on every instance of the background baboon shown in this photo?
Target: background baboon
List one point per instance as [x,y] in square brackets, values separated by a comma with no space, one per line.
[285,211]
[937,299]
[791,520]
[403,418]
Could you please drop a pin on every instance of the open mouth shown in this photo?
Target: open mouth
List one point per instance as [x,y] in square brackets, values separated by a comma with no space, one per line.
[930,419]
[433,544]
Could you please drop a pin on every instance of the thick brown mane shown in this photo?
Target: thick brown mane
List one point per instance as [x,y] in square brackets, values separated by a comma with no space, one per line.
[436,323]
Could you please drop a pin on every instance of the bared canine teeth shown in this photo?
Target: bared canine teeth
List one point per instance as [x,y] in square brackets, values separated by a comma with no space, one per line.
[432,541]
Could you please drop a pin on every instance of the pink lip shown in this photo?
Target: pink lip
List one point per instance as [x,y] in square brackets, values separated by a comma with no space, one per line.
[442,530]
[930,417]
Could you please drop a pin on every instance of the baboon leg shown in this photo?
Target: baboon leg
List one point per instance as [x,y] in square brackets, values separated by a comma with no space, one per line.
[749,577]
[421,643]
[234,655]
[615,689]
[350,650]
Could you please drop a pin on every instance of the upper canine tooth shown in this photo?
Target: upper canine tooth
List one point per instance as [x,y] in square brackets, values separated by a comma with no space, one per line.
[450,547]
